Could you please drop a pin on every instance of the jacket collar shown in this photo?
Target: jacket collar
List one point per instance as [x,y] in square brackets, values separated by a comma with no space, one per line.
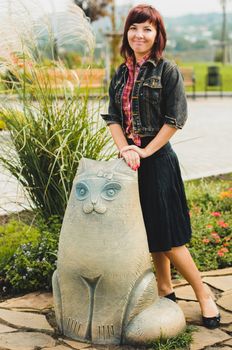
[150,60]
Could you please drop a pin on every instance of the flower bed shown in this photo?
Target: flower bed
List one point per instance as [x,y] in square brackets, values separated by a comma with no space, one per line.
[210,202]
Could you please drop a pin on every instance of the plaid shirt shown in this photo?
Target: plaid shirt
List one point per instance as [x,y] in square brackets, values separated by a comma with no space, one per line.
[126,96]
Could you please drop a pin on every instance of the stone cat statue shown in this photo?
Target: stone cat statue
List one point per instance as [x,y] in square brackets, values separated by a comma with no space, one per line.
[104,287]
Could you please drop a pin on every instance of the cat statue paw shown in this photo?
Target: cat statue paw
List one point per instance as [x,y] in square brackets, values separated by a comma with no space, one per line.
[104,287]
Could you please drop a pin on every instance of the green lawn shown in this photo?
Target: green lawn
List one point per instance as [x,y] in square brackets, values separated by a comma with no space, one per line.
[200,70]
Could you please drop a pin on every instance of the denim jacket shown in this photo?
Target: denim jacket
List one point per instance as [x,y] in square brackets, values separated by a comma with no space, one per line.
[158,98]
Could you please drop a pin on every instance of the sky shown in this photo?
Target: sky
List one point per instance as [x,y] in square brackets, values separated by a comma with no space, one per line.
[173,8]
[168,8]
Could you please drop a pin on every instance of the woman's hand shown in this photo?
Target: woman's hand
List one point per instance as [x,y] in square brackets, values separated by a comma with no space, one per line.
[131,157]
[142,152]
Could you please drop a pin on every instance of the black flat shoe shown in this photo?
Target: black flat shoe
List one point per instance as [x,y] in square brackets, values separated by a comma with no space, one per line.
[211,322]
[171,296]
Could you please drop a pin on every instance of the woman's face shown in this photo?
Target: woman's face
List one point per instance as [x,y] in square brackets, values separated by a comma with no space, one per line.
[141,37]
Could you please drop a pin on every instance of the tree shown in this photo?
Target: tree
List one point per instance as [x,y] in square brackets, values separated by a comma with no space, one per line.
[93,8]
[98,8]
[224,31]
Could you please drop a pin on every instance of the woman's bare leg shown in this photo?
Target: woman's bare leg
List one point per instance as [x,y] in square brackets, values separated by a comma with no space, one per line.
[182,260]
[163,273]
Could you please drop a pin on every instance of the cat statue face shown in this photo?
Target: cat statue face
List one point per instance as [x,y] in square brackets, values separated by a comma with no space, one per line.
[104,286]
[96,191]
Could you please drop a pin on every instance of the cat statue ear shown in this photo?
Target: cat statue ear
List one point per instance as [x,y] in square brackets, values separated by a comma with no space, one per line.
[81,166]
[116,166]
[123,170]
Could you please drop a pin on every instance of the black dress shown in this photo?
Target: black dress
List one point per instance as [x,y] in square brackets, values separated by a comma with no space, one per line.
[163,200]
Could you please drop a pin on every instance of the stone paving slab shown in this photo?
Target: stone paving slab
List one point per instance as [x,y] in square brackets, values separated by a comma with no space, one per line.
[229,342]
[227,328]
[206,337]
[36,301]
[116,347]
[226,301]
[220,272]
[192,312]
[25,341]
[6,329]
[25,319]
[59,347]
[223,283]
[179,283]
[218,348]
[187,293]
[75,344]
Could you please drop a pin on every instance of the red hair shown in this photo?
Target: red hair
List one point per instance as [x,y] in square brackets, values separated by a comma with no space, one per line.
[140,14]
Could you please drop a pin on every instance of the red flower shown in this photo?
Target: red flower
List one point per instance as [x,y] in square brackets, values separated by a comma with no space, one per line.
[220,253]
[224,250]
[209,226]
[216,214]
[222,224]
[205,240]
[215,235]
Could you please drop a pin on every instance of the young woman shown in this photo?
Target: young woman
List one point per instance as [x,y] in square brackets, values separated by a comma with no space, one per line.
[147,106]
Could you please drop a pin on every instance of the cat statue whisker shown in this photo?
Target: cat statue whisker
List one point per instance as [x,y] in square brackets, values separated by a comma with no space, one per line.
[104,287]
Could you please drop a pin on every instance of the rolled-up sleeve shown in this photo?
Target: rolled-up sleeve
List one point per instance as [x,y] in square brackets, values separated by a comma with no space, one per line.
[113,115]
[174,98]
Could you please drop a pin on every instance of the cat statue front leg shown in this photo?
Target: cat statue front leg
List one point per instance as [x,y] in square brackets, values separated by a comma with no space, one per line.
[57,300]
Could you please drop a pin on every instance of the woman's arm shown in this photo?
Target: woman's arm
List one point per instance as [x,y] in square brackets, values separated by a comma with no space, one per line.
[118,136]
[163,136]
[131,157]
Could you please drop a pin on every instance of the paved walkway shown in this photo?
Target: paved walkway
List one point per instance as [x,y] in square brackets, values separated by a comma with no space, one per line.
[203,147]
[204,144]
[27,322]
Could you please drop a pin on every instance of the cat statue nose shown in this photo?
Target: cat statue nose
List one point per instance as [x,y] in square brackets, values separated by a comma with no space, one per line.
[104,287]
[94,200]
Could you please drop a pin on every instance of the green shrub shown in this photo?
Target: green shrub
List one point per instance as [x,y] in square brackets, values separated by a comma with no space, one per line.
[33,263]
[12,235]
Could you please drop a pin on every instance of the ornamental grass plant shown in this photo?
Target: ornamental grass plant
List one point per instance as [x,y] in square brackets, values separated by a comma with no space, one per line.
[44,144]
[51,125]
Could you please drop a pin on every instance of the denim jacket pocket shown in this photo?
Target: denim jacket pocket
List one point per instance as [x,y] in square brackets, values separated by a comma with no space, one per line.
[151,90]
